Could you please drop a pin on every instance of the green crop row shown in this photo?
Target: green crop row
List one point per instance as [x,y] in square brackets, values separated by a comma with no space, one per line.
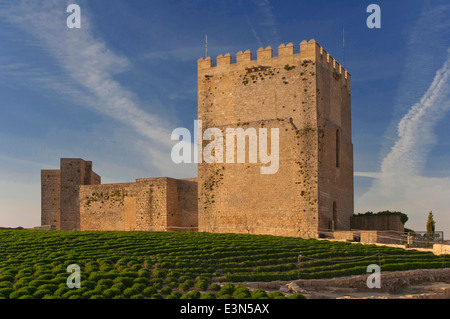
[33,264]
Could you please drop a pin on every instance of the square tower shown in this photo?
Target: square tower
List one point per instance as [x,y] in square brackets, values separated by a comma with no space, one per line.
[60,189]
[305,97]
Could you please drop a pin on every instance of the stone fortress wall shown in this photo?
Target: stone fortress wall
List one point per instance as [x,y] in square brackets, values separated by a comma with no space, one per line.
[74,199]
[306,96]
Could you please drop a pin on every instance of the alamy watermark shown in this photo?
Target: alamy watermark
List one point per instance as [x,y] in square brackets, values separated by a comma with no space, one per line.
[74,19]
[374,280]
[74,279]
[214,150]
[374,19]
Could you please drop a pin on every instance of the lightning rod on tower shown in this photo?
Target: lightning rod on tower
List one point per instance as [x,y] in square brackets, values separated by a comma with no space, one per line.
[206,46]
[343,49]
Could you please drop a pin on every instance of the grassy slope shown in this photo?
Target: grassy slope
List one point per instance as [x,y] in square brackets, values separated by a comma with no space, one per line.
[172,263]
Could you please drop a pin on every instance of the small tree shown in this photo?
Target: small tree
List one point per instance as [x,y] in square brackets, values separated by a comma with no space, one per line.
[430,223]
[430,227]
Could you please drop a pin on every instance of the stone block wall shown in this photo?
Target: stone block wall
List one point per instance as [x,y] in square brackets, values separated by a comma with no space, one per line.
[149,204]
[303,97]
[307,97]
[187,214]
[377,222]
[50,197]
[73,173]
[333,98]
[73,198]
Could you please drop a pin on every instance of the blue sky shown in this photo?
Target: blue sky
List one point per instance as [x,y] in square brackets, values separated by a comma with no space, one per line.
[113,91]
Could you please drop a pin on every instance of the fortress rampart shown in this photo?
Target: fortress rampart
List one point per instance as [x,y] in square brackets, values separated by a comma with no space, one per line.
[305,96]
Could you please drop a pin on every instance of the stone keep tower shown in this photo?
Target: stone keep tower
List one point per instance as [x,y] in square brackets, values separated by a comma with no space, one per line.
[307,97]
[60,205]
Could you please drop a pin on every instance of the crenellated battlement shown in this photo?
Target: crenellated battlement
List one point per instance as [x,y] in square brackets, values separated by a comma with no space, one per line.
[309,51]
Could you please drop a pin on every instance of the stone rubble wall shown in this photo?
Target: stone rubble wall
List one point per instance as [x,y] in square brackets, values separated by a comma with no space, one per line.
[390,281]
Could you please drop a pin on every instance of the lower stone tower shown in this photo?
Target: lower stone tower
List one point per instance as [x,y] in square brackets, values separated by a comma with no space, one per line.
[60,192]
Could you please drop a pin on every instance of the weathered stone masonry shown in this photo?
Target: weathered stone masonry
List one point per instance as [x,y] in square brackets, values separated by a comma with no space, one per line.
[74,199]
[305,95]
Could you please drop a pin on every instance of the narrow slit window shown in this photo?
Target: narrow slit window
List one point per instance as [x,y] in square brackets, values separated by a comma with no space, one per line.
[338,148]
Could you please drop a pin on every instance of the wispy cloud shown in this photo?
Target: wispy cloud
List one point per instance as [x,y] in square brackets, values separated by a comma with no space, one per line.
[89,67]
[401,183]
[265,28]
[415,130]
[268,21]
[252,28]
[190,53]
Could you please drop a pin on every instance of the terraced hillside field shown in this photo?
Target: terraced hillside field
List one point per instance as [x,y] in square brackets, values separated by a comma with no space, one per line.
[33,264]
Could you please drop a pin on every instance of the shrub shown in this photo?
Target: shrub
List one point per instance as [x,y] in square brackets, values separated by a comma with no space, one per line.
[149,291]
[137,297]
[112,292]
[138,287]
[47,275]
[185,286]
[5,292]
[27,272]
[143,272]
[70,293]
[5,284]
[202,284]
[88,284]
[224,296]
[19,293]
[96,276]
[26,297]
[174,274]
[195,294]
[159,273]
[127,281]
[214,287]
[276,295]
[119,286]
[96,297]
[157,285]
[6,277]
[173,285]
[184,278]
[156,296]
[174,295]
[37,283]
[128,273]
[227,289]
[258,294]
[40,293]
[58,280]
[208,295]
[130,292]
[99,289]
[170,280]
[88,294]
[166,290]
[141,280]
[241,292]
[105,282]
